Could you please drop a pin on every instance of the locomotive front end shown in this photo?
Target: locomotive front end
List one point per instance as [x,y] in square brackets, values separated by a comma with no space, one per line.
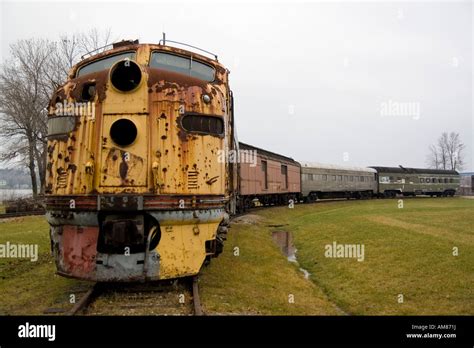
[136,188]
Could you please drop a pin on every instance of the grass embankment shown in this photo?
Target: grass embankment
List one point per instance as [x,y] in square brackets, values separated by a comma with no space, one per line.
[408,251]
[260,280]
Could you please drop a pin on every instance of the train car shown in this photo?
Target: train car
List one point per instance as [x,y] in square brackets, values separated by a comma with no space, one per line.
[266,177]
[416,181]
[135,188]
[467,184]
[332,181]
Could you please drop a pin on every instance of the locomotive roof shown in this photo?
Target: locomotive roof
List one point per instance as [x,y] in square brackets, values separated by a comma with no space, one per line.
[266,153]
[336,167]
[403,170]
[125,46]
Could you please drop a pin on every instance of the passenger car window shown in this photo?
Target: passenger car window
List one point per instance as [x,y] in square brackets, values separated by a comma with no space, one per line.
[105,63]
[384,179]
[182,65]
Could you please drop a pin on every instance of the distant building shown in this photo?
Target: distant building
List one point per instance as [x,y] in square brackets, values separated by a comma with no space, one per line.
[467,184]
[3,183]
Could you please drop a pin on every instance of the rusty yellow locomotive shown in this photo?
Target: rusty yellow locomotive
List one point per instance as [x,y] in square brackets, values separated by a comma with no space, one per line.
[136,189]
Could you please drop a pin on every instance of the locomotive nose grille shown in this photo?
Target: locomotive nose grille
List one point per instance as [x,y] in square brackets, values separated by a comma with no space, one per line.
[193,179]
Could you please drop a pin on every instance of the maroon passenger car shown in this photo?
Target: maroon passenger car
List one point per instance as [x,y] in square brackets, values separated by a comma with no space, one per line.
[267,177]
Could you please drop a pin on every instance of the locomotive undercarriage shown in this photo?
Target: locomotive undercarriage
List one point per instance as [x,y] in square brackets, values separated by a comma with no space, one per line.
[141,245]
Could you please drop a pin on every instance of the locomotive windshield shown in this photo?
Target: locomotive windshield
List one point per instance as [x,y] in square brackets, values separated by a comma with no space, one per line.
[105,63]
[182,65]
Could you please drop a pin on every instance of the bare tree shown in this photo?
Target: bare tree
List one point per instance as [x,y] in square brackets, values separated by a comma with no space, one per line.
[25,94]
[447,153]
[434,157]
[454,148]
[35,69]
[94,41]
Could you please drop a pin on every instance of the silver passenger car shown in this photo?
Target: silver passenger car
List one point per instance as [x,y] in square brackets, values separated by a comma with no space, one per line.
[333,181]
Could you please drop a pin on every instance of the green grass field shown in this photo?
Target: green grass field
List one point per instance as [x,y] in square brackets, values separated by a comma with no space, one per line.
[408,251]
[28,287]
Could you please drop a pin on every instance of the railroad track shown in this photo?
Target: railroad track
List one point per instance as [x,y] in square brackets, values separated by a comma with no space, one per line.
[20,214]
[177,297]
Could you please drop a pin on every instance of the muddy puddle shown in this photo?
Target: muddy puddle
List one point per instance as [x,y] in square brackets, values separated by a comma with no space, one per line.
[284,240]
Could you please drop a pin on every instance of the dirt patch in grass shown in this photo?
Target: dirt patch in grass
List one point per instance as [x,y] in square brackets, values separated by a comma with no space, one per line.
[248,219]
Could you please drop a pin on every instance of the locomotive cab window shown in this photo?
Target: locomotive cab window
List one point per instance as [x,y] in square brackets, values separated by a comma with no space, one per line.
[182,65]
[104,64]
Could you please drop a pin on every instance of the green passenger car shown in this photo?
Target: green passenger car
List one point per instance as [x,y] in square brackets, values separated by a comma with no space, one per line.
[416,181]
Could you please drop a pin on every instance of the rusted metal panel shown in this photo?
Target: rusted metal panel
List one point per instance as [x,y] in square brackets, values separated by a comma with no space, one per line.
[79,249]
[124,166]
[61,205]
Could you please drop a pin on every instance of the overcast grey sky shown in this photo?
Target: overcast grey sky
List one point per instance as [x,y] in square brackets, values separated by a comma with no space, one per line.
[317,81]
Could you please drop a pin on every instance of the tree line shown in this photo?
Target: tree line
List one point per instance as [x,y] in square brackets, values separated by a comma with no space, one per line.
[447,153]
